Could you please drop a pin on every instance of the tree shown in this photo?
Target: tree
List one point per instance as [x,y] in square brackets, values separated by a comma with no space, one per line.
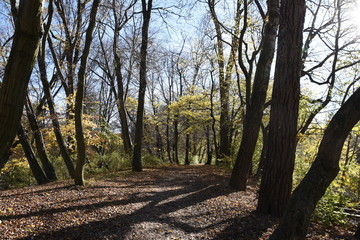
[146,13]
[254,113]
[18,70]
[296,218]
[48,95]
[276,183]
[79,133]
[225,73]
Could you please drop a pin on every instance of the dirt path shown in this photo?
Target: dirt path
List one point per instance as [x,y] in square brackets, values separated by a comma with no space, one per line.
[168,203]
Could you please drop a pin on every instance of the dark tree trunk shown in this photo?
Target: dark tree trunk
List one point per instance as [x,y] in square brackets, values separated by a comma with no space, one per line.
[18,70]
[357,233]
[296,218]
[176,140]
[30,156]
[209,149]
[79,133]
[136,160]
[265,136]
[39,143]
[276,182]
[254,113]
[168,142]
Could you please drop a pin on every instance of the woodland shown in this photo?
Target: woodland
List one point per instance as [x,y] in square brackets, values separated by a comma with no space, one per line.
[191,119]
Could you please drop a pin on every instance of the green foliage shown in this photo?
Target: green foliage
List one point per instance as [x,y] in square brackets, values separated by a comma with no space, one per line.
[16,174]
[151,161]
[328,211]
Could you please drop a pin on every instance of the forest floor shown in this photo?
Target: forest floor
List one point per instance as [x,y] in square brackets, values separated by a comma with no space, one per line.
[170,202]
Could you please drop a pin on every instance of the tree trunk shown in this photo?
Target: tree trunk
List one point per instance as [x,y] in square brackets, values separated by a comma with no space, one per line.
[265,143]
[296,218]
[18,70]
[146,12]
[53,115]
[30,156]
[208,147]
[357,233]
[225,77]
[176,140]
[125,134]
[276,182]
[187,149]
[79,134]
[254,114]
[39,143]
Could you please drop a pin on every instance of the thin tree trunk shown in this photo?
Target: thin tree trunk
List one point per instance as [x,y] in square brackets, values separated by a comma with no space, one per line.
[187,149]
[125,134]
[176,140]
[296,218]
[18,70]
[208,147]
[79,133]
[30,156]
[254,113]
[146,12]
[276,182]
[265,143]
[39,143]
[53,115]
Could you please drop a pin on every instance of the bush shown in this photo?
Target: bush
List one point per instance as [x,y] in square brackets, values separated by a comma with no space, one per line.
[151,161]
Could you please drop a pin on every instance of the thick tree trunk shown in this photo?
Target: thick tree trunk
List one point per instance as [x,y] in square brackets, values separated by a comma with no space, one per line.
[296,218]
[146,12]
[30,156]
[254,114]
[276,182]
[18,70]
[39,143]
[79,134]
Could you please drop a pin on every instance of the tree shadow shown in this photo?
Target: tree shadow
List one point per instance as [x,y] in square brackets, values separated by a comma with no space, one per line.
[154,207]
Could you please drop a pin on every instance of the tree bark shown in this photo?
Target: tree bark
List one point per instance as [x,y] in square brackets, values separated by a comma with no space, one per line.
[18,70]
[254,114]
[296,218]
[146,13]
[30,156]
[276,182]
[39,143]
[79,133]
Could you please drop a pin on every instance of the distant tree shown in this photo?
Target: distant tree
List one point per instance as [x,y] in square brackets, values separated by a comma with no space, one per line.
[276,182]
[28,30]
[146,13]
[225,73]
[296,218]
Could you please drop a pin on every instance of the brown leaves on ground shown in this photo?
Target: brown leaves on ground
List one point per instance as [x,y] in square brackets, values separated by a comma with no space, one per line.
[168,203]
